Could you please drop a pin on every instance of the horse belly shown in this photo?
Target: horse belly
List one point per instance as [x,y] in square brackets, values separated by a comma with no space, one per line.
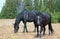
[46,21]
[30,20]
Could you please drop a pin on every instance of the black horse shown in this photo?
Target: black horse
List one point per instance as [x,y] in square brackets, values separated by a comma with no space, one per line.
[25,16]
[43,19]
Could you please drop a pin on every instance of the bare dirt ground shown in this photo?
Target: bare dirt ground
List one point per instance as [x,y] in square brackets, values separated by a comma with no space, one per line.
[7,31]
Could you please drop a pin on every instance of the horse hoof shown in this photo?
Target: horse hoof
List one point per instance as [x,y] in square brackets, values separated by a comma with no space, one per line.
[53,32]
[23,31]
[43,34]
[27,31]
[34,31]
[37,36]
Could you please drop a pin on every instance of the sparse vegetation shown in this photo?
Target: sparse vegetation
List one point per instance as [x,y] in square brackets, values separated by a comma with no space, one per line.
[7,31]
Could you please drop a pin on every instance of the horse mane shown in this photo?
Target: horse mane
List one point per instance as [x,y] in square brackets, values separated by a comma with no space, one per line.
[39,13]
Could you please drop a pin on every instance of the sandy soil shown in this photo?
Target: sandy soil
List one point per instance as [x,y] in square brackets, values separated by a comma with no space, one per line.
[7,31]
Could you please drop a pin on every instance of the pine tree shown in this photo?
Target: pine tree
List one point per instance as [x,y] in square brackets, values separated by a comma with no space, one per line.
[9,10]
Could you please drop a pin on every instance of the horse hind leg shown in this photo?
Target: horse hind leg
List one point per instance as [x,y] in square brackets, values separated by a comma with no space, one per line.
[50,28]
[44,30]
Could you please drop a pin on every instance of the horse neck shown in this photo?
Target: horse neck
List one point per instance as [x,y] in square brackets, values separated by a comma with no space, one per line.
[18,19]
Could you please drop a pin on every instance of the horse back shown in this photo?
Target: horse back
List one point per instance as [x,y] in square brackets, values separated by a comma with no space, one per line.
[46,18]
[29,16]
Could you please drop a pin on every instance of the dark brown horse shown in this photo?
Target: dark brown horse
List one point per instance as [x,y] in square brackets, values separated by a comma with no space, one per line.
[43,19]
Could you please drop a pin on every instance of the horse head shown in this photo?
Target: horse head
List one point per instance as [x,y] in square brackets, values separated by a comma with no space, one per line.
[16,27]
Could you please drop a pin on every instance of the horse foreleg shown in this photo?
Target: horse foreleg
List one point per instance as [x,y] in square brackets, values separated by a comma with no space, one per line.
[34,28]
[25,28]
[37,31]
[41,29]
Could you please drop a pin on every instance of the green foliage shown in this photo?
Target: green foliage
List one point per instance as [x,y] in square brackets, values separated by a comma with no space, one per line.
[29,8]
[55,17]
[51,6]
[57,6]
[58,17]
[27,2]
[43,8]
[9,10]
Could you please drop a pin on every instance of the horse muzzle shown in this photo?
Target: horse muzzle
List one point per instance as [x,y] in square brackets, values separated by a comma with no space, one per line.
[16,30]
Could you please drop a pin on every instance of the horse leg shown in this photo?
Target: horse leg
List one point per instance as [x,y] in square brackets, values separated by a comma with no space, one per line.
[41,29]
[25,28]
[34,28]
[37,31]
[44,30]
[50,28]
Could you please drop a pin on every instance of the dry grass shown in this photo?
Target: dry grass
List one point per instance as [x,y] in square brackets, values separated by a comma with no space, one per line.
[7,31]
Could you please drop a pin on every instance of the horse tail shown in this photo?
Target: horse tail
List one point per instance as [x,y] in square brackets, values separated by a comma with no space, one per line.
[50,25]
